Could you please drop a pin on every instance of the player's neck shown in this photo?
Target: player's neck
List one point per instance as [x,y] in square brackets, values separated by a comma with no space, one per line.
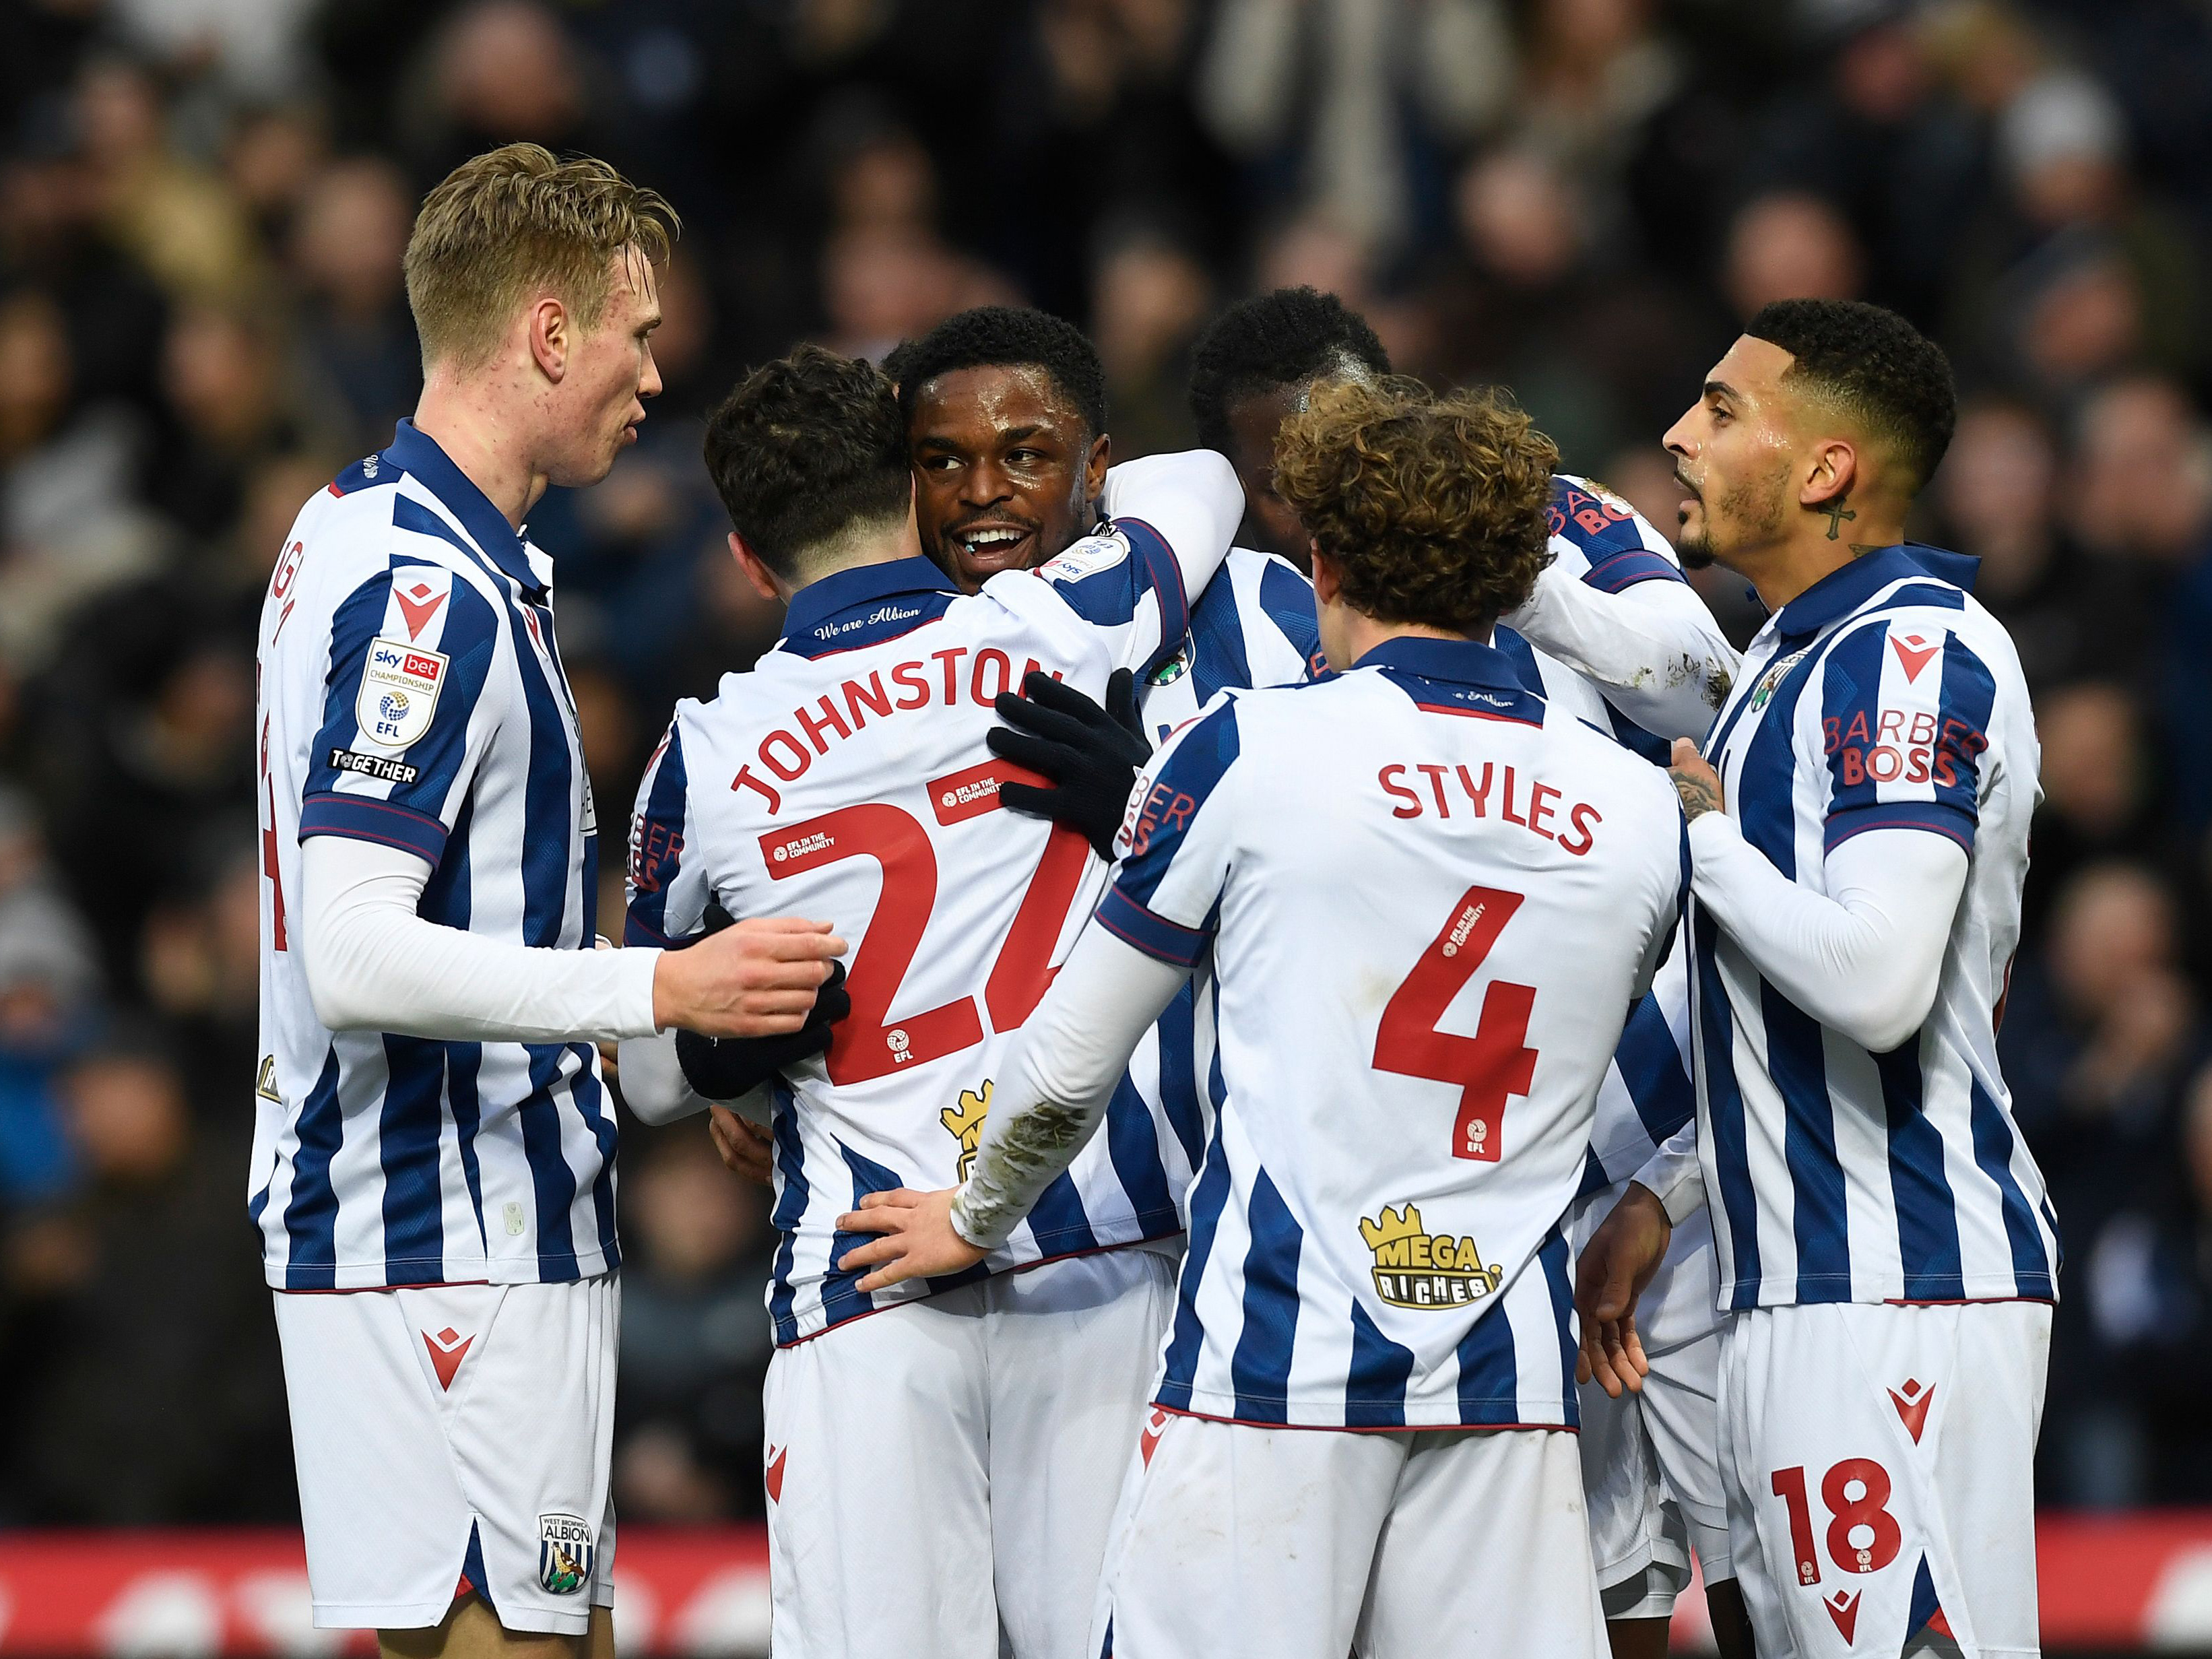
[856,552]
[1818,550]
[466,419]
[1362,633]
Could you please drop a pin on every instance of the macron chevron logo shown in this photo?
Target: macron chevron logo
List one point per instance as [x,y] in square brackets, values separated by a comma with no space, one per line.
[447,1349]
[1911,1403]
[774,1479]
[1843,1610]
[1151,1439]
[1913,651]
[418,605]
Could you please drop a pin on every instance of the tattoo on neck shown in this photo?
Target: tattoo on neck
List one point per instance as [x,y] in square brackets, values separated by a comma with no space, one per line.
[1836,513]
[1860,549]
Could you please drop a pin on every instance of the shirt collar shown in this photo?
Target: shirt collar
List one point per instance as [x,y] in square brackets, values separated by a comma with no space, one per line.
[414,450]
[1847,587]
[841,590]
[1471,662]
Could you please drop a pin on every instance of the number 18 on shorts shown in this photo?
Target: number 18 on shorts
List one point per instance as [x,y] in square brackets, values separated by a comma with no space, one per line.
[1882,1458]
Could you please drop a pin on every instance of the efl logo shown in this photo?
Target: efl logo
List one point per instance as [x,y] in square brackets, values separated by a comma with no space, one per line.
[399,687]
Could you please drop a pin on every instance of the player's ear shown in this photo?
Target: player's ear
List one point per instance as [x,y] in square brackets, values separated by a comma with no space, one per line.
[763,579]
[549,339]
[1094,466]
[1327,580]
[1833,475]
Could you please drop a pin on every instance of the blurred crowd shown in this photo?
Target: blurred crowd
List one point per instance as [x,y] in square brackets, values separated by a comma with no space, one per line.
[202,204]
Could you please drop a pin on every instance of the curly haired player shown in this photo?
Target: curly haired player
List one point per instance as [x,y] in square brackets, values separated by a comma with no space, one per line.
[1356,1438]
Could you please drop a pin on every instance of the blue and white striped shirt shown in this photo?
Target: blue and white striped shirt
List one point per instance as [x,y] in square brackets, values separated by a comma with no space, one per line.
[1255,627]
[1882,697]
[1429,901]
[412,694]
[847,777]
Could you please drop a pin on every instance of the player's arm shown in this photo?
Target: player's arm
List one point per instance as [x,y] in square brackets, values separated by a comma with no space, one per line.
[1899,745]
[1623,1255]
[1172,518]
[1865,956]
[1053,1095]
[408,716]
[1191,500]
[1635,628]
[374,964]
[1154,923]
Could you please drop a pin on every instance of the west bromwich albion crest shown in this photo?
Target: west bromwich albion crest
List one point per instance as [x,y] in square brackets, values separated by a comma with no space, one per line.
[399,687]
[565,1553]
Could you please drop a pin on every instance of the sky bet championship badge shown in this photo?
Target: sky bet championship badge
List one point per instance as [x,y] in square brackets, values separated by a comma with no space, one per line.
[564,1553]
[398,692]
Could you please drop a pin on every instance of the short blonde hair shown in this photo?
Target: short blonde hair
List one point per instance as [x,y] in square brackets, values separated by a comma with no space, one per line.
[515,219]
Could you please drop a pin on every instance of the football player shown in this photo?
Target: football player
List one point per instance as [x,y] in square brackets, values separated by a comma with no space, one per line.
[989,1412]
[1612,600]
[433,1171]
[1357,1440]
[1859,823]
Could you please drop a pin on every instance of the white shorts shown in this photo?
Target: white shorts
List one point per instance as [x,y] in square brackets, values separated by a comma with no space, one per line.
[947,1469]
[1651,1477]
[454,1438]
[1879,1467]
[1240,1542]
[1651,1461]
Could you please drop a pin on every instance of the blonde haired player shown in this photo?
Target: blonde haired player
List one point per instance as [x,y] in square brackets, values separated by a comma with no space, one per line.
[1456,892]
[433,1169]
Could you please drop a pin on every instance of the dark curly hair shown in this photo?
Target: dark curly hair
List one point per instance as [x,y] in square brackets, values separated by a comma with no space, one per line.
[1874,365]
[1288,337]
[1432,507]
[807,448]
[995,336]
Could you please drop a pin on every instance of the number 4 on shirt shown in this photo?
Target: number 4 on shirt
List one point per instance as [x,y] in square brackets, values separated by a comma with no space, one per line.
[1492,1064]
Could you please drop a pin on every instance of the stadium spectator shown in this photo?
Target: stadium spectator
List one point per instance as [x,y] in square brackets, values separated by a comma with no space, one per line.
[694,1345]
[139,1339]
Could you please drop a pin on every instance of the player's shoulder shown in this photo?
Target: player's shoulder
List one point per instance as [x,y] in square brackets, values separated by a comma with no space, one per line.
[1925,612]
[1593,521]
[744,700]
[371,517]
[1587,746]
[1108,548]
[1258,621]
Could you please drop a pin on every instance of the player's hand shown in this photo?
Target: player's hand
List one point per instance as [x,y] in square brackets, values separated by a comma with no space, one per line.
[1695,781]
[917,1238]
[1089,753]
[724,1068]
[745,1146]
[1617,1265]
[757,979]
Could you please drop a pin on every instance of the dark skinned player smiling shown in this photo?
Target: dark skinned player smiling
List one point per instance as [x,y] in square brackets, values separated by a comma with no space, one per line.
[1005,413]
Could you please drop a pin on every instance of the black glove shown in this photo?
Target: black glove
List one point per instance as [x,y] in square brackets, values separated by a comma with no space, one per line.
[1091,754]
[723,1068]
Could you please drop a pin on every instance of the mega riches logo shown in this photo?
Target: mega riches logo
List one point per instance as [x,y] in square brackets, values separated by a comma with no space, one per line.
[964,1123]
[1416,1268]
